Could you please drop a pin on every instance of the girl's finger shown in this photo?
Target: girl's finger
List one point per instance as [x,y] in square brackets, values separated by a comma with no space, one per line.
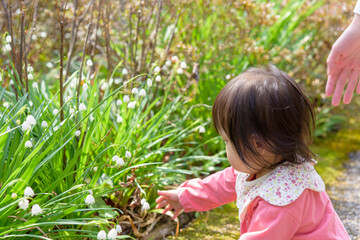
[162,204]
[176,214]
[164,193]
[160,199]
[168,208]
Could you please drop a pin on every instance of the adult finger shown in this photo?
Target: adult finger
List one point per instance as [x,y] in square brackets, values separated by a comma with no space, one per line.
[358,86]
[340,84]
[353,79]
[332,61]
[330,85]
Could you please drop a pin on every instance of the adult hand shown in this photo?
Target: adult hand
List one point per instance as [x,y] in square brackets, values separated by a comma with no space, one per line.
[343,64]
[169,199]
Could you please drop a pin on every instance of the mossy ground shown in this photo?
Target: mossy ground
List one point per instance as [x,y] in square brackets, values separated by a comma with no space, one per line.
[220,223]
[332,151]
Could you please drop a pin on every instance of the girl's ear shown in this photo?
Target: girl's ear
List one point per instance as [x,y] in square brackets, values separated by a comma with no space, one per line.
[258,145]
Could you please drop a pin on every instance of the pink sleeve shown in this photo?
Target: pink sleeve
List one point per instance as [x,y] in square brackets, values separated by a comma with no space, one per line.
[210,192]
[270,222]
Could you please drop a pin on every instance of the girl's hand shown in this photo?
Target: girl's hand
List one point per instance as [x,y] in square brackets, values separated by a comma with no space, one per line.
[169,199]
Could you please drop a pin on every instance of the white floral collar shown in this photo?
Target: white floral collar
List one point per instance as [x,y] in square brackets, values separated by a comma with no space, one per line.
[280,187]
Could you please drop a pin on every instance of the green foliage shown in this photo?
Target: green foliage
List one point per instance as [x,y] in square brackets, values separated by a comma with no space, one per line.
[63,167]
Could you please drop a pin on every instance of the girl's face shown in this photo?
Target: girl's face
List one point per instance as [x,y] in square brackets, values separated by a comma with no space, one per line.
[238,164]
[234,158]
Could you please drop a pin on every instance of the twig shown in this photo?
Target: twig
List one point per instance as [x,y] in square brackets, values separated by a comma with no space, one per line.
[25,220]
[23,46]
[107,38]
[7,15]
[136,41]
[74,31]
[61,22]
[36,7]
[95,32]
[172,37]
[156,32]
[143,50]
[13,49]
[73,39]
[130,37]
[21,42]
[81,67]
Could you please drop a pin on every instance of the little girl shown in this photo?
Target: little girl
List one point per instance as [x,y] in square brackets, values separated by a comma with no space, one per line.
[266,121]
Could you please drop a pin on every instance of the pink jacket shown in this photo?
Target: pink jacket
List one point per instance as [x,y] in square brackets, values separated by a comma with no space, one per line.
[311,216]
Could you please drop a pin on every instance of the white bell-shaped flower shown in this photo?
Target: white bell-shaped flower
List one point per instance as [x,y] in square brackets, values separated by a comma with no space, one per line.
[183,65]
[28,144]
[85,86]
[89,200]
[55,111]
[14,195]
[35,85]
[118,228]
[31,120]
[8,39]
[101,235]
[142,93]
[77,133]
[168,63]
[201,129]
[157,69]
[124,71]
[115,158]
[26,126]
[82,107]
[44,124]
[104,86]
[128,154]
[131,104]
[119,119]
[228,77]
[158,78]
[126,99]
[24,204]
[72,111]
[145,206]
[134,91]
[180,71]
[149,82]
[30,76]
[174,59]
[36,210]
[29,192]
[120,162]
[7,47]
[112,234]
[89,63]
[118,102]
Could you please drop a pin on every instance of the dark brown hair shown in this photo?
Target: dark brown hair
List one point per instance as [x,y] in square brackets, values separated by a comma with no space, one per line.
[269,105]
